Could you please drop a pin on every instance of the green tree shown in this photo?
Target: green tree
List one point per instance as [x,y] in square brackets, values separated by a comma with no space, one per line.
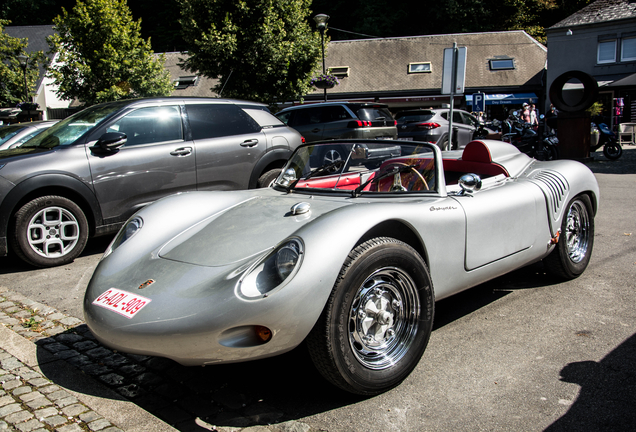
[102,57]
[12,72]
[261,50]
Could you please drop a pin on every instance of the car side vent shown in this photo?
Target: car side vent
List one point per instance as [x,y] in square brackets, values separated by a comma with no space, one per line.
[555,187]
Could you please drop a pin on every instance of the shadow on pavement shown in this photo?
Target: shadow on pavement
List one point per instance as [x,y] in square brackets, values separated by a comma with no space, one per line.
[607,400]
[235,395]
[626,164]
[464,303]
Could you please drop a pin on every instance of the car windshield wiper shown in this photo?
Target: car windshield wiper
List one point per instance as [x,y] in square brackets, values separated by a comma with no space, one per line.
[398,169]
[330,167]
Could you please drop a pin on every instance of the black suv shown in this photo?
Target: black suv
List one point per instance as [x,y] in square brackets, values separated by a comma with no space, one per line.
[87,174]
[337,120]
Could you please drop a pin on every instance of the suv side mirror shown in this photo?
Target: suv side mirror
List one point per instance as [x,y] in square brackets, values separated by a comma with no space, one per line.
[111,141]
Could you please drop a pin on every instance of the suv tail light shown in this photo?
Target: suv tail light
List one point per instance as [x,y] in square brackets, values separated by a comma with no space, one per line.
[358,123]
[427,125]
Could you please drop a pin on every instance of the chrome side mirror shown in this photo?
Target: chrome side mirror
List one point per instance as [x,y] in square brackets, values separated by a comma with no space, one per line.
[288,177]
[470,183]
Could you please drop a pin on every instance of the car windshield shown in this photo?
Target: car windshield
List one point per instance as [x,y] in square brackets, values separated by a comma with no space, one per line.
[68,131]
[6,132]
[361,167]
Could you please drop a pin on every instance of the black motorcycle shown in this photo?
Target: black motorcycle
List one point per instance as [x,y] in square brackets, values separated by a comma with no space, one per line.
[606,139]
[534,143]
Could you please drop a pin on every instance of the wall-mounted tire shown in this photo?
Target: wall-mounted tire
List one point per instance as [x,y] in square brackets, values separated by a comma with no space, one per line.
[590,91]
[49,231]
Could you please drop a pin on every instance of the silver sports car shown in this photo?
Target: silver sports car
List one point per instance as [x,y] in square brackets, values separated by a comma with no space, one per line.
[346,255]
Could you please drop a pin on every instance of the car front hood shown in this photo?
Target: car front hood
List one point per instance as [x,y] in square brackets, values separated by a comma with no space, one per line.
[244,230]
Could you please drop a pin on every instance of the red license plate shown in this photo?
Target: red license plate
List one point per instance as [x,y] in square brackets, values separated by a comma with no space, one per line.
[122,302]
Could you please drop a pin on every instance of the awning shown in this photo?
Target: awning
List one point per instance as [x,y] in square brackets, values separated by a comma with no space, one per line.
[629,80]
[506,99]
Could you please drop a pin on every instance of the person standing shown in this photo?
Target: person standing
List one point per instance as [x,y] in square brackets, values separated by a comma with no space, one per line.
[525,113]
[534,117]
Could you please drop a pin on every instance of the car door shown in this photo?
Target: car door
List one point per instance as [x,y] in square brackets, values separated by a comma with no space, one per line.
[155,161]
[501,222]
[335,121]
[308,122]
[228,144]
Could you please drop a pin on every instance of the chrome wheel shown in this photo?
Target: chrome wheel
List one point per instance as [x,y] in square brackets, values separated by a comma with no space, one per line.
[577,231]
[572,253]
[53,232]
[378,319]
[383,319]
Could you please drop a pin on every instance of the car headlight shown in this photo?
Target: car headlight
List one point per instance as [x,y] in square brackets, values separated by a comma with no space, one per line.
[273,270]
[287,258]
[126,232]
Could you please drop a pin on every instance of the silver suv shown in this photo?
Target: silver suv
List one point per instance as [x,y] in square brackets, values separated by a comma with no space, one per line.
[90,172]
[337,120]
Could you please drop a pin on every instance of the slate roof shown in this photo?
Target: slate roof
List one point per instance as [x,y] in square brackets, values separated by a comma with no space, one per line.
[600,11]
[203,84]
[381,65]
[37,40]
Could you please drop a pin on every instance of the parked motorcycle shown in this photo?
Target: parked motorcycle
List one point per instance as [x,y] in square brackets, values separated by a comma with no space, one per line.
[606,139]
[534,143]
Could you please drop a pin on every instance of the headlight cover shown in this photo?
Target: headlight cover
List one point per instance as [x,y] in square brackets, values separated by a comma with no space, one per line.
[272,271]
[126,232]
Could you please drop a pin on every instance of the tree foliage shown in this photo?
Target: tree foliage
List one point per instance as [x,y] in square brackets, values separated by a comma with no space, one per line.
[410,18]
[102,57]
[261,50]
[12,73]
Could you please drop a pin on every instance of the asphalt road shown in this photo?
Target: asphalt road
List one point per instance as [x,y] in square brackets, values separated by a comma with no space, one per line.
[522,352]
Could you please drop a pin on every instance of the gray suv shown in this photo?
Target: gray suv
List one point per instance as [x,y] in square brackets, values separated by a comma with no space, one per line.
[430,124]
[87,174]
[337,120]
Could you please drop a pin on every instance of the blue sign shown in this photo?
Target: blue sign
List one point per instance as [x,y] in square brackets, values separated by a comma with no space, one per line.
[479,102]
[504,99]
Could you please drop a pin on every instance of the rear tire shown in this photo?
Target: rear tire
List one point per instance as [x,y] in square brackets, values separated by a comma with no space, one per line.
[573,251]
[49,231]
[378,319]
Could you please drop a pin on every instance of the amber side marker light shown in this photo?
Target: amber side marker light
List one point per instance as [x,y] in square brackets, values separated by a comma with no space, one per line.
[263,333]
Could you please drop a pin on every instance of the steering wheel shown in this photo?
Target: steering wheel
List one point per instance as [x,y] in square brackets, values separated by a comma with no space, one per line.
[397,185]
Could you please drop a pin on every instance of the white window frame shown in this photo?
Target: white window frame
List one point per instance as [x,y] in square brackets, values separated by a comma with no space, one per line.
[598,51]
[632,41]
[502,63]
[420,67]
[339,71]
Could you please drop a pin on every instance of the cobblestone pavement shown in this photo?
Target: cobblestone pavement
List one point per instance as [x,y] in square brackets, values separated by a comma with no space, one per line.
[31,402]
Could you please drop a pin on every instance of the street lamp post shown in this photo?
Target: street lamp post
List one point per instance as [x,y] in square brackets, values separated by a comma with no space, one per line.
[321,23]
[24,60]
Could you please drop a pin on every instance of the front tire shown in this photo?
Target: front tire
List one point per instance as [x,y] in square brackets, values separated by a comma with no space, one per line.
[268,178]
[551,152]
[378,319]
[574,249]
[49,231]
[612,150]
